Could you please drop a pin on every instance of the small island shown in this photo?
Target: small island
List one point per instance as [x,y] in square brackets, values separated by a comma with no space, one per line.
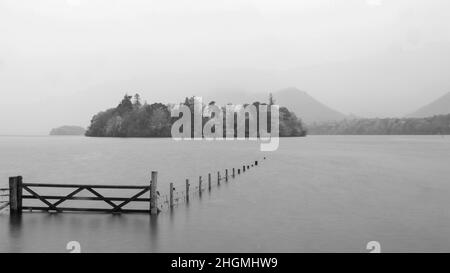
[68,130]
[132,118]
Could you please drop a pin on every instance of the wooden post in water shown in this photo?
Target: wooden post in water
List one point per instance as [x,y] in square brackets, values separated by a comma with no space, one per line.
[226,175]
[153,196]
[187,190]
[209,181]
[200,184]
[218,178]
[171,195]
[15,195]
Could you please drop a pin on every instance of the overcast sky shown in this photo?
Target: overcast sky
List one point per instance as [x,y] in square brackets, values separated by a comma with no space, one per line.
[63,61]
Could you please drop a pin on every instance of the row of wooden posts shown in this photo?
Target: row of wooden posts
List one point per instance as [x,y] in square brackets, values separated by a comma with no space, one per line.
[17,189]
[200,182]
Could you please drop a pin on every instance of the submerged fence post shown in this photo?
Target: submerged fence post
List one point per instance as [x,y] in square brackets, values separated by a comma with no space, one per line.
[200,184]
[226,175]
[153,197]
[171,195]
[209,181]
[15,194]
[187,190]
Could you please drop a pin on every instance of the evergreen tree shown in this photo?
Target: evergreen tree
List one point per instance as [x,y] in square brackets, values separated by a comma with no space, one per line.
[271,99]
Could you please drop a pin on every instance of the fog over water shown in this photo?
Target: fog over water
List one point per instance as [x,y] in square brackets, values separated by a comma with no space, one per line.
[63,61]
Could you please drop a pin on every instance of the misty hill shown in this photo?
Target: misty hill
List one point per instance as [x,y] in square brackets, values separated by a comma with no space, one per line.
[306,107]
[68,130]
[441,106]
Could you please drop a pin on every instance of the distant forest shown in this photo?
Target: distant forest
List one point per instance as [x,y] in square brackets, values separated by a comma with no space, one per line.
[132,118]
[435,125]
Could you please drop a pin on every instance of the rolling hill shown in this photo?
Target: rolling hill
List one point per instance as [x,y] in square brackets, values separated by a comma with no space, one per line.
[68,130]
[441,106]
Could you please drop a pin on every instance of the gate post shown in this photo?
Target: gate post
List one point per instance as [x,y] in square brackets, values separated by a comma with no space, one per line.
[15,194]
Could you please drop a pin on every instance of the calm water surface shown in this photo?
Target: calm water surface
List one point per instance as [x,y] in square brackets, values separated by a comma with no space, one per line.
[320,193]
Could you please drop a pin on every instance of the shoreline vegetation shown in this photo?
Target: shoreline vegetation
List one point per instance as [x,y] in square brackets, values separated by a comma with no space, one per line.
[132,118]
[435,125]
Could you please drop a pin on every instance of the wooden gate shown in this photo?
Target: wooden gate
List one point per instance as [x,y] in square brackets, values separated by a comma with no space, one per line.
[19,191]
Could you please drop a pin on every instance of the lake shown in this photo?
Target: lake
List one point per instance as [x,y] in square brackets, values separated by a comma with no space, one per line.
[314,194]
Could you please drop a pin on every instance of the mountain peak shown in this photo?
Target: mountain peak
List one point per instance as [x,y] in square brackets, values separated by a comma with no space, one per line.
[305,106]
[291,89]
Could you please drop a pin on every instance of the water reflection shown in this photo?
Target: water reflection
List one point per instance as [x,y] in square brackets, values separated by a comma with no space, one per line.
[154,232]
[15,225]
[15,231]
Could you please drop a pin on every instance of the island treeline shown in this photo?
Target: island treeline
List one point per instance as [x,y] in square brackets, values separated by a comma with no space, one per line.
[132,118]
[435,125]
